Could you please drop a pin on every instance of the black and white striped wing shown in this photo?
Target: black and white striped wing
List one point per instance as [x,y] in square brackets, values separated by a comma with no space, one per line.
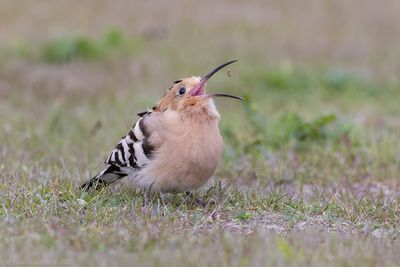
[133,152]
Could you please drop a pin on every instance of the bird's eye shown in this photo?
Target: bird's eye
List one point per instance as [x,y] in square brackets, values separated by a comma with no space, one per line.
[182,91]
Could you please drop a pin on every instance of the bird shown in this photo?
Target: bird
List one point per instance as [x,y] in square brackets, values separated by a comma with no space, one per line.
[173,147]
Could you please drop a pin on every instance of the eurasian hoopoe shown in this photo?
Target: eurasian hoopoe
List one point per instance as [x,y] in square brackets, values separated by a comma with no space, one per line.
[175,146]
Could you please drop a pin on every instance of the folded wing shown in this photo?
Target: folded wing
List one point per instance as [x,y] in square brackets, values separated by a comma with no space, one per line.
[132,153]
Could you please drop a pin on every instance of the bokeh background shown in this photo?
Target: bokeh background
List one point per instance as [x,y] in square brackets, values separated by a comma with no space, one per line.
[322,89]
[74,75]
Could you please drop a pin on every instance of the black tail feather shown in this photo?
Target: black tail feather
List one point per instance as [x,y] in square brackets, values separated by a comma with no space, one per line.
[108,176]
[94,183]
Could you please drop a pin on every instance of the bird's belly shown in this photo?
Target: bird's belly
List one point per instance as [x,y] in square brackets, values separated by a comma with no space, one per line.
[182,164]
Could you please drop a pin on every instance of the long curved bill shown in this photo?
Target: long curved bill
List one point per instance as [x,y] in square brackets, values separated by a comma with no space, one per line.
[211,73]
[222,95]
[199,90]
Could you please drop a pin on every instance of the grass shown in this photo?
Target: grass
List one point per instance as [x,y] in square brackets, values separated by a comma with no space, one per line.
[236,227]
[309,173]
[65,49]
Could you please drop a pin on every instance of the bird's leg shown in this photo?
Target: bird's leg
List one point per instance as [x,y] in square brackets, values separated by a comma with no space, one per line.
[145,203]
[146,197]
[196,200]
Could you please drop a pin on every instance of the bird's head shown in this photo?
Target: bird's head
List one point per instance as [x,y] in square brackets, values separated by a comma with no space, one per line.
[189,93]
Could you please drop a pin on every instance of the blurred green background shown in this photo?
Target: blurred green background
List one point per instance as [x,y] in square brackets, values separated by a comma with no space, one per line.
[315,74]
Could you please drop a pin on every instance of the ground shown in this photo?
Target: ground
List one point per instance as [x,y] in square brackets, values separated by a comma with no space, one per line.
[310,170]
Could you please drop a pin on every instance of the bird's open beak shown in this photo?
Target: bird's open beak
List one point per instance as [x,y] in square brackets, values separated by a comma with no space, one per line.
[199,90]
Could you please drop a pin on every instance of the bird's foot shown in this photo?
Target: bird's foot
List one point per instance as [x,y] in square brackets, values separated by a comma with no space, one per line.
[195,200]
[146,199]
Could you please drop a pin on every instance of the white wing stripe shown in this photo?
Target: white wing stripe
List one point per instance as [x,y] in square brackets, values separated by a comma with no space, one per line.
[119,154]
[128,139]
[141,158]
[126,150]
[137,131]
